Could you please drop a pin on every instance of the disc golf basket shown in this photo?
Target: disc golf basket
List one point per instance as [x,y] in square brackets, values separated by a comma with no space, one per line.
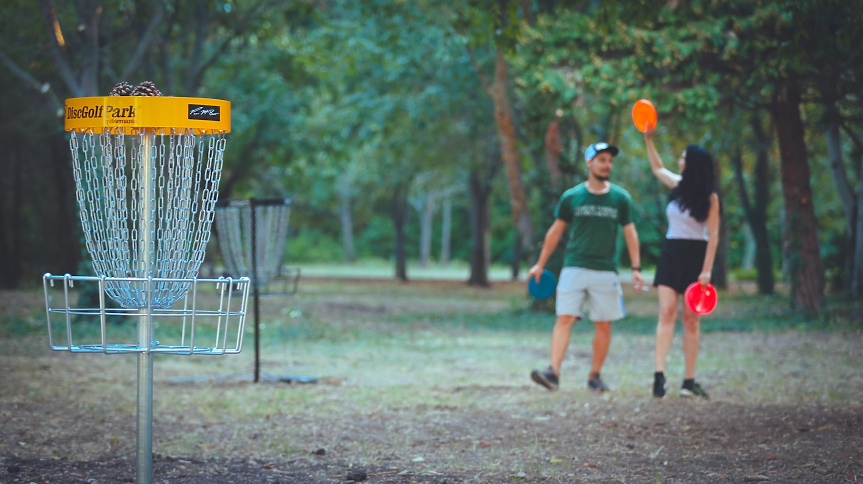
[261,223]
[252,235]
[147,173]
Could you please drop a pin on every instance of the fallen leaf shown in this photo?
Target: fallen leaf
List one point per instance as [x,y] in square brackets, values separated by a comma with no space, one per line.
[770,456]
[555,460]
[484,443]
[590,464]
[755,478]
[268,466]
[418,459]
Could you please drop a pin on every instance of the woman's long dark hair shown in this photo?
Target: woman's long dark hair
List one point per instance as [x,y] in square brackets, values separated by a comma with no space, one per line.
[694,190]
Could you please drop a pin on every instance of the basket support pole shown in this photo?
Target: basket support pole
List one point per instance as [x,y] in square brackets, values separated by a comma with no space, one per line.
[256,288]
[144,426]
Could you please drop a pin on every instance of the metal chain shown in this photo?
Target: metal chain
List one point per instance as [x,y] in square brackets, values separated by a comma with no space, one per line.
[235,239]
[184,174]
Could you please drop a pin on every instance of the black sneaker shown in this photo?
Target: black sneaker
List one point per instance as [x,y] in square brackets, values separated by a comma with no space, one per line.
[546,378]
[658,385]
[692,389]
[596,384]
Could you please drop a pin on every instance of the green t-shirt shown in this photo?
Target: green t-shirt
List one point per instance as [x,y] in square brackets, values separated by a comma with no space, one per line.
[594,222]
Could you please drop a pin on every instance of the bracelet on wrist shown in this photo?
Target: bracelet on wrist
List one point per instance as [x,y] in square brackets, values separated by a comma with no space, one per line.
[636,269]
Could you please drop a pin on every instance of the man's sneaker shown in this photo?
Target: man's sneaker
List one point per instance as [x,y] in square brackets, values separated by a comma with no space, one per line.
[658,385]
[596,384]
[546,378]
[692,389]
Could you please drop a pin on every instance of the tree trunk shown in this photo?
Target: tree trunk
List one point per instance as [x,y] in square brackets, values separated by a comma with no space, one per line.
[857,280]
[843,189]
[801,235]
[509,151]
[346,217]
[446,231]
[10,263]
[69,234]
[480,230]
[553,148]
[756,215]
[91,20]
[6,261]
[399,213]
[749,248]
[17,247]
[426,219]
[515,262]
[840,177]
[720,263]
[758,222]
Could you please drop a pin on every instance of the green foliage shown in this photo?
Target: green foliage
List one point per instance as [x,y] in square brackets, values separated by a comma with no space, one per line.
[13,326]
[311,245]
[356,100]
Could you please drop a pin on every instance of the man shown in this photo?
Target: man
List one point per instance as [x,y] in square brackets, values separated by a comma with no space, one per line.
[595,210]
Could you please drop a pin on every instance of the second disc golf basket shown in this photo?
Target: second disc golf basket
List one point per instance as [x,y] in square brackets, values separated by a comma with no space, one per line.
[262,224]
[252,235]
[147,173]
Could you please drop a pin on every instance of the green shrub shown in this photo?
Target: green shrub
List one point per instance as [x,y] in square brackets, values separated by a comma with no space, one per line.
[311,245]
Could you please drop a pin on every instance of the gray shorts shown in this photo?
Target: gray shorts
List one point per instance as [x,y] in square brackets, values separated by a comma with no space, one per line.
[601,288]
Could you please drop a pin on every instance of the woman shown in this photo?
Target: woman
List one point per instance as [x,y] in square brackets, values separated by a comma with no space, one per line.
[687,255]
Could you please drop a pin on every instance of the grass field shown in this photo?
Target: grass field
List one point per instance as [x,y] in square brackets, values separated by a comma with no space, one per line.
[428,381]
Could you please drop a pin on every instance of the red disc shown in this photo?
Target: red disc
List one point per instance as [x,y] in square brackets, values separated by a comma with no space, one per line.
[701,300]
[643,114]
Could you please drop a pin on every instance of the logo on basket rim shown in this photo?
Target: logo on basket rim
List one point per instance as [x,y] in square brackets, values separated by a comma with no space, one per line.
[204,112]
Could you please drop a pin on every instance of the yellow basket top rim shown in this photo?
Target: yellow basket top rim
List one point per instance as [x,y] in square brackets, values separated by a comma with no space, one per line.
[132,113]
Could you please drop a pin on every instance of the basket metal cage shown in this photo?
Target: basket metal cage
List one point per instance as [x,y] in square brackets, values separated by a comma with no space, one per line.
[207,321]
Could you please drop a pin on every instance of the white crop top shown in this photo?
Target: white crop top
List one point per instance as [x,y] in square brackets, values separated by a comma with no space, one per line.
[682,225]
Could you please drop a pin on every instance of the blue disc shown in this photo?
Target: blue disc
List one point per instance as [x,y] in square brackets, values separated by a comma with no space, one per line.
[543,289]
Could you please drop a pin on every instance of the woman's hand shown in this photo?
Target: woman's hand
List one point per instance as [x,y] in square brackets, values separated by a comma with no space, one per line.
[648,133]
[704,278]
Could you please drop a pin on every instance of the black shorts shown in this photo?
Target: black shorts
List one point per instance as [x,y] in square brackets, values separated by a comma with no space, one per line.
[680,263]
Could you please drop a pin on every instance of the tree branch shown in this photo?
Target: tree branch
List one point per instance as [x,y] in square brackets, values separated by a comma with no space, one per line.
[198,73]
[65,71]
[144,43]
[44,88]
[482,77]
[737,160]
[525,10]
[854,136]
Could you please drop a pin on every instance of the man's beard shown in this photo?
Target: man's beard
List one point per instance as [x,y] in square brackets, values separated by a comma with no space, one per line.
[601,178]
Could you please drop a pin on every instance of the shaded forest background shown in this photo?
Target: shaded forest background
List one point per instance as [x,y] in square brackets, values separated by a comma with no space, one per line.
[446,131]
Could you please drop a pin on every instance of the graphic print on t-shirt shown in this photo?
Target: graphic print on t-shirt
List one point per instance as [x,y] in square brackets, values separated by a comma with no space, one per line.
[595,211]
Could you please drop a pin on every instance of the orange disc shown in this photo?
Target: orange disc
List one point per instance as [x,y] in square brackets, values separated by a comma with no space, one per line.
[643,114]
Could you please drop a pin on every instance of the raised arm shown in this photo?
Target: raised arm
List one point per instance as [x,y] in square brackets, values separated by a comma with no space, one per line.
[668,178]
[712,240]
[552,237]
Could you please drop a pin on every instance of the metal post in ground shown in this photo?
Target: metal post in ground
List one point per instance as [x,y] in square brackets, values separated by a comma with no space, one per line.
[256,289]
[144,425]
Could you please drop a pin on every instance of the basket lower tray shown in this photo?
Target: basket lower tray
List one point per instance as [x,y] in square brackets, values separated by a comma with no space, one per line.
[204,322]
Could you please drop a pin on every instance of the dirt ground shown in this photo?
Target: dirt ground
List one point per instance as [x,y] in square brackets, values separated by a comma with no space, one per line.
[66,421]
